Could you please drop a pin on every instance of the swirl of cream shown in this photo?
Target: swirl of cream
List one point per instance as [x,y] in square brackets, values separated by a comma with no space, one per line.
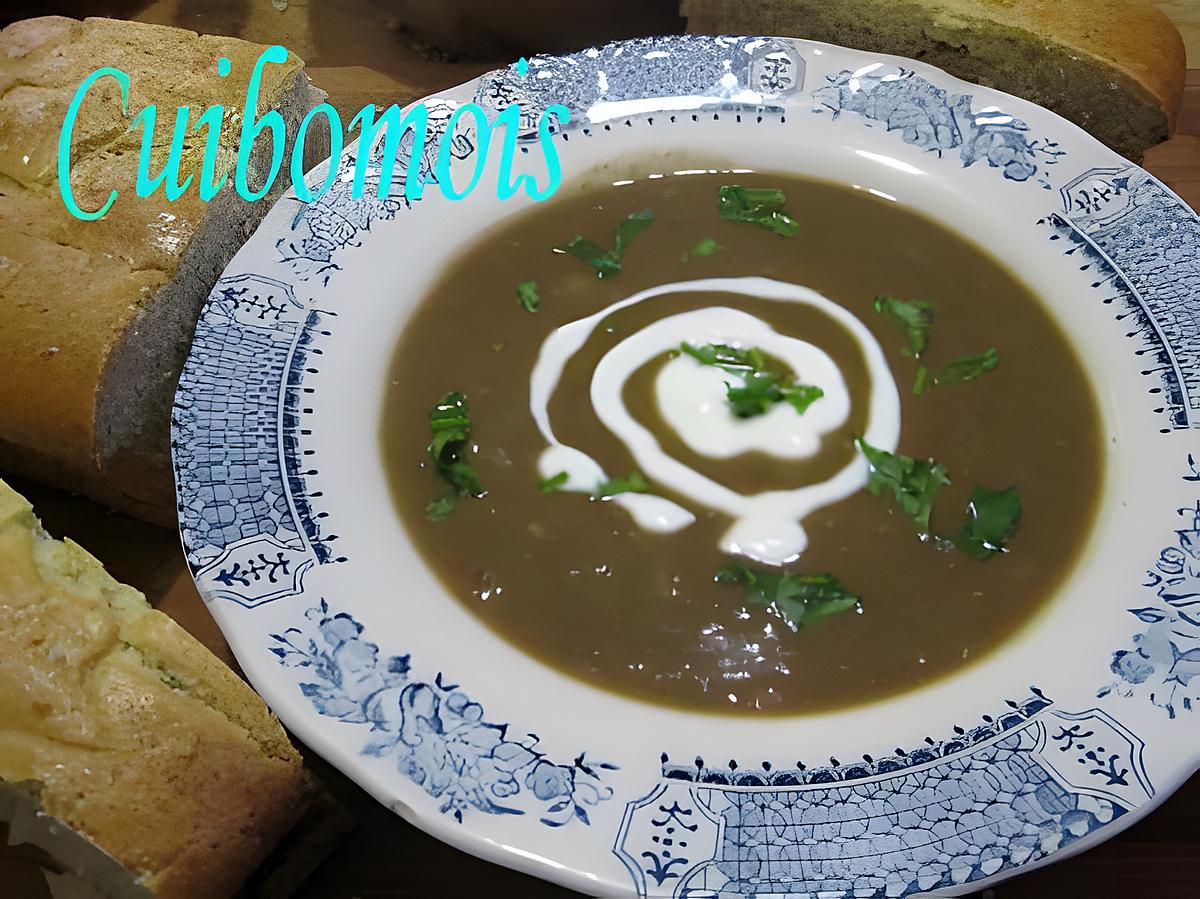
[766,525]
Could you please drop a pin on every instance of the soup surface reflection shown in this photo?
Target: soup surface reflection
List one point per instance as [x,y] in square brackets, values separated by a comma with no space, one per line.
[578,583]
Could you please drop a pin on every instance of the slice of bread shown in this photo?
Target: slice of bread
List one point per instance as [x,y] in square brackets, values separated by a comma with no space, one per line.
[98,316]
[133,733]
[1114,67]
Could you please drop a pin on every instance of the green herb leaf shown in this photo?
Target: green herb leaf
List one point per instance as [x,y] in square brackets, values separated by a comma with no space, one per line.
[913,483]
[450,426]
[439,509]
[765,382]
[553,484]
[463,477]
[633,225]
[919,381]
[992,517]
[528,297]
[759,392]
[800,598]
[605,262]
[762,206]
[801,396]
[914,316]
[730,358]
[608,262]
[635,483]
[705,247]
[968,368]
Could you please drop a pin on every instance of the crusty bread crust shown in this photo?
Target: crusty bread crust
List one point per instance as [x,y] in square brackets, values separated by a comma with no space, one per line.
[1115,67]
[98,316]
[139,738]
[1131,35]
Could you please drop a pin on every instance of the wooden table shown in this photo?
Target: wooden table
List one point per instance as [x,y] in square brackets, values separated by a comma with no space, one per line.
[1157,858]
[1177,161]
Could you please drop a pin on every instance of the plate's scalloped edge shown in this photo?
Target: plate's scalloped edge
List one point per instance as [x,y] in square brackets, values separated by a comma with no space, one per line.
[1011,800]
[248,517]
[1163,659]
[431,730]
[1143,243]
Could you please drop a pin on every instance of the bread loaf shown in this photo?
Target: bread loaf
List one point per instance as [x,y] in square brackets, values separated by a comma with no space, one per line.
[129,730]
[97,316]
[1114,67]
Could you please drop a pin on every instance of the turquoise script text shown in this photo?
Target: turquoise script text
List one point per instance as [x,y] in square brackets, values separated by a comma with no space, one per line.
[388,128]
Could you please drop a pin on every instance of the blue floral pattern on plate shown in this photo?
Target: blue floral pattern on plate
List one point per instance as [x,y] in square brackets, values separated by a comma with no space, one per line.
[934,119]
[1165,657]
[434,732]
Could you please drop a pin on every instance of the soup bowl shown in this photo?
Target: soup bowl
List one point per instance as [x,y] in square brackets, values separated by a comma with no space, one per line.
[1076,726]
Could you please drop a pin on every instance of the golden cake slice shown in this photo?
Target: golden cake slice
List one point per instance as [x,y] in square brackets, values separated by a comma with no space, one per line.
[128,728]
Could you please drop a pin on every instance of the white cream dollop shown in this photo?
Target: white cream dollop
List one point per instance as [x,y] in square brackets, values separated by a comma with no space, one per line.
[766,525]
[692,396]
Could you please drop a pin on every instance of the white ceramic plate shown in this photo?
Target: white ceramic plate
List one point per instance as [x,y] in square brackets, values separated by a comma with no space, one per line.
[1068,733]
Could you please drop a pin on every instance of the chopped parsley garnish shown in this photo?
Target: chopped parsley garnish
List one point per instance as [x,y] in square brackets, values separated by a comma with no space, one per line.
[631,226]
[758,393]
[605,262]
[730,358]
[635,483]
[761,390]
[919,381]
[608,262]
[801,396]
[451,429]
[705,247]
[528,297]
[762,206]
[765,382]
[915,317]
[992,517]
[800,598]
[439,509]
[553,484]
[913,483]
[968,368]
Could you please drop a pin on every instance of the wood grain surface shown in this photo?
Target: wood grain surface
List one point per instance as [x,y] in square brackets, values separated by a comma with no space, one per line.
[1156,858]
